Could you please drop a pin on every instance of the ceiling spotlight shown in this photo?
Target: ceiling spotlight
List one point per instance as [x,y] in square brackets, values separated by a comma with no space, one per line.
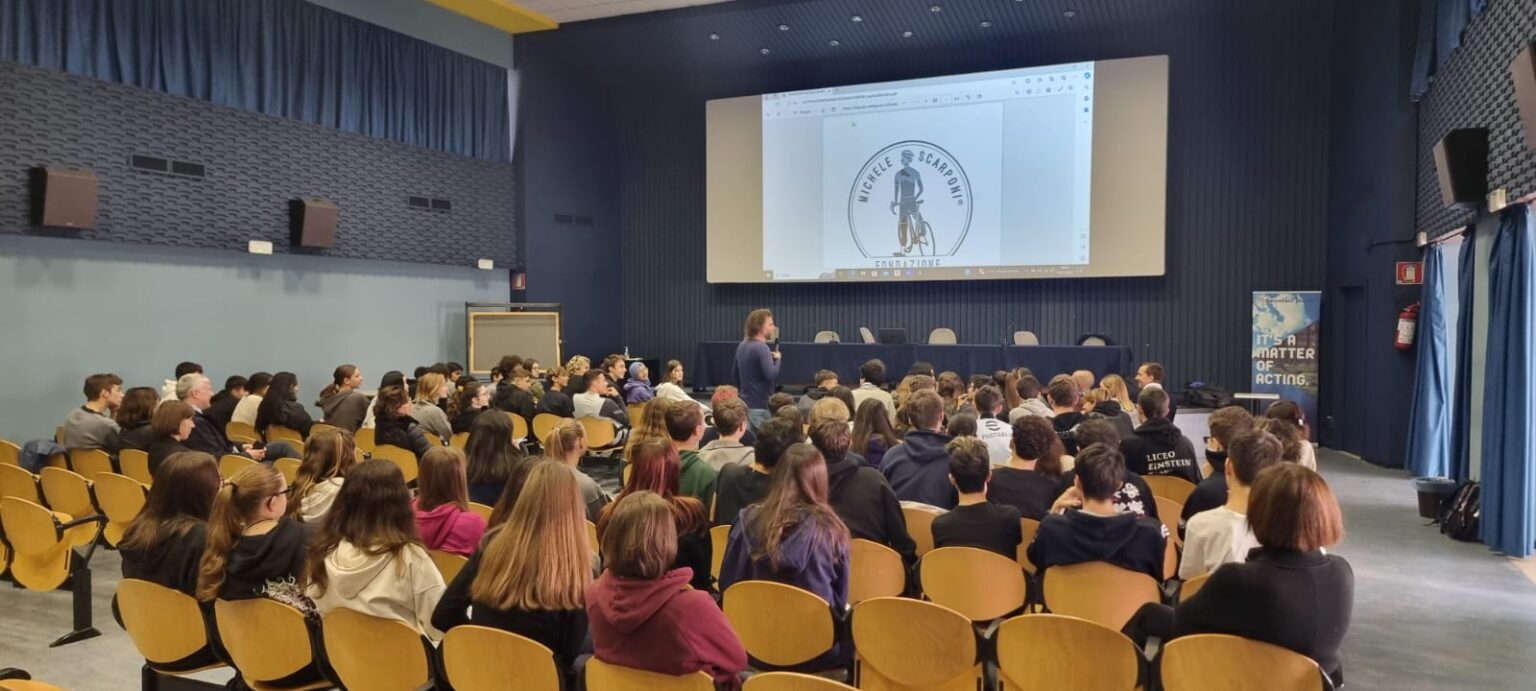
[834,43]
[764,51]
[1069,14]
[906,34]
[935,9]
[714,37]
[856,19]
[783,27]
[986,23]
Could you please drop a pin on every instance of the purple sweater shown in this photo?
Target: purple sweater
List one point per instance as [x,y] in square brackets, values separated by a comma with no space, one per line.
[755,373]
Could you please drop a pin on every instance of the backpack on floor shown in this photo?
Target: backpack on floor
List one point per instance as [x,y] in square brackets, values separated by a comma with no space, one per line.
[1461,518]
[1198,394]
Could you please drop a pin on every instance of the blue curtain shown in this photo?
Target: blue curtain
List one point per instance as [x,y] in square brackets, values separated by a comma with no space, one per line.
[1509,403]
[1429,422]
[1441,23]
[287,58]
[1461,408]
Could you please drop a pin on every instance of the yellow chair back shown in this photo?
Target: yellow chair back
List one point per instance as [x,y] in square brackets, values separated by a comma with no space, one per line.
[39,554]
[719,537]
[370,652]
[166,625]
[449,565]
[1175,489]
[1215,662]
[10,453]
[288,468]
[519,428]
[920,526]
[1188,588]
[602,676]
[266,639]
[90,462]
[910,644]
[241,432]
[458,441]
[874,570]
[1051,651]
[1099,592]
[779,624]
[363,439]
[70,494]
[544,423]
[979,584]
[520,663]
[405,458]
[135,464]
[230,464]
[600,431]
[1028,527]
[483,510]
[15,481]
[121,498]
[792,681]
[287,434]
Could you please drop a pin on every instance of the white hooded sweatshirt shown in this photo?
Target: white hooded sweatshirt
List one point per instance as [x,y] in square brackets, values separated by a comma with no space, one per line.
[406,589]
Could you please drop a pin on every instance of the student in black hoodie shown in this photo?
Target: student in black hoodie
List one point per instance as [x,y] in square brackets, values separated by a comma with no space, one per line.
[1159,448]
[222,407]
[515,395]
[1100,406]
[1226,423]
[859,494]
[826,381]
[1094,530]
[918,468]
[1064,400]
[976,522]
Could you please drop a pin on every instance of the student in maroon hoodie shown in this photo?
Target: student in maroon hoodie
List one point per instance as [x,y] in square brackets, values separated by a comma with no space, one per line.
[641,611]
[442,504]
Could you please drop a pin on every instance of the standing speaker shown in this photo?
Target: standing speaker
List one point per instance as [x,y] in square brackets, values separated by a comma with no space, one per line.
[1461,161]
[1523,72]
[64,198]
[311,223]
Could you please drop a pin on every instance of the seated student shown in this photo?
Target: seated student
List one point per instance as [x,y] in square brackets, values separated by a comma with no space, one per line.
[168,389]
[343,406]
[685,427]
[1226,424]
[642,613]
[1095,530]
[1031,480]
[207,435]
[530,578]
[871,383]
[637,389]
[655,469]
[1029,400]
[555,400]
[134,416]
[567,443]
[828,409]
[962,425]
[791,415]
[328,457]
[1097,404]
[951,388]
[515,394]
[491,456]
[739,486]
[468,403]
[577,367]
[1085,381]
[222,408]
[1290,592]
[256,387]
[172,424]
[1222,535]
[1159,448]
[1134,496]
[1064,399]
[281,406]
[727,449]
[794,537]
[1290,412]
[393,424]
[367,557]
[976,522]
[991,428]
[873,434]
[651,425]
[859,494]
[91,425]
[825,380]
[599,399]
[671,386]
[722,393]
[443,518]
[918,468]
[430,388]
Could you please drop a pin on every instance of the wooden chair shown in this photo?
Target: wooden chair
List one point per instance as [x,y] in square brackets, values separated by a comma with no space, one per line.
[1051,651]
[135,464]
[458,441]
[592,540]
[287,434]
[718,537]
[363,439]
[370,652]
[1169,511]
[792,681]
[602,676]
[1215,662]
[1170,558]
[920,526]
[600,432]
[70,494]
[41,558]
[58,435]
[10,453]
[519,428]
[1169,487]
[432,439]
[778,624]
[1188,588]
[979,584]
[267,640]
[449,565]
[515,662]
[405,458]
[874,570]
[121,498]
[230,464]
[321,427]
[15,481]
[241,433]
[544,423]
[482,509]
[166,627]
[1099,592]
[1028,526]
[910,644]
[90,462]
[288,467]
[636,411]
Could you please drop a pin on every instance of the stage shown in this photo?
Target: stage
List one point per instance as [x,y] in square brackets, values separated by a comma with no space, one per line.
[713,360]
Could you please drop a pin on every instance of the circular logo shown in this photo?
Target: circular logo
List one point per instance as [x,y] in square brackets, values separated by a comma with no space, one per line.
[911,199]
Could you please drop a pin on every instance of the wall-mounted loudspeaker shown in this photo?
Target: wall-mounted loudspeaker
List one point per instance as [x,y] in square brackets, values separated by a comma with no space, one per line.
[311,223]
[1461,161]
[64,198]
[1523,72]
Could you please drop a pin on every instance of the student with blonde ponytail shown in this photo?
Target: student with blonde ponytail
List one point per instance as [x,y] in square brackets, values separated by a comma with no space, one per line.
[254,548]
[343,406]
[328,455]
[529,579]
[567,443]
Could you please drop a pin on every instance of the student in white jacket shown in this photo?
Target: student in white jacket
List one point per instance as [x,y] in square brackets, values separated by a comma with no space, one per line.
[1222,535]
[367,557]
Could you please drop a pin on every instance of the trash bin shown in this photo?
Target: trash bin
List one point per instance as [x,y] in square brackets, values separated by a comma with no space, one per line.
[1433,493]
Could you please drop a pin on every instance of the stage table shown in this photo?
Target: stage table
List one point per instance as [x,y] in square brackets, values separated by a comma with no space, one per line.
[714,360]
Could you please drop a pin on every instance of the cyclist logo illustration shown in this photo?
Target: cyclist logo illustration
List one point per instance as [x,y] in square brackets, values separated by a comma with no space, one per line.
[934,225]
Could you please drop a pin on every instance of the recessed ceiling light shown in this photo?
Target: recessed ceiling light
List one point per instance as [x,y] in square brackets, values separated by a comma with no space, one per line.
[1069,14]
[783,27]
[986,23]
[714,37]
[834,43]
[906,34]
[856,19]
[935,9]
[764,51]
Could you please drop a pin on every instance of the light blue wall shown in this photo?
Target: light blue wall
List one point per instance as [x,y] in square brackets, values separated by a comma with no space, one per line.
[69,308]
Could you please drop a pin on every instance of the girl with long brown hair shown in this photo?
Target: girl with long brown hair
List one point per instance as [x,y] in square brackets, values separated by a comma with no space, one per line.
[442,504]
[567,443]
[367,557]
[657,468]
[873,434]
[491,455]
[468,403]
[254,548]
[530,578]
[393,424]
[328,455]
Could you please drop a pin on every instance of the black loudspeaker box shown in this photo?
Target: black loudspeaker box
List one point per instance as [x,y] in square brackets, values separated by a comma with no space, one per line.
[63,198]
[311,223]
[1461,161]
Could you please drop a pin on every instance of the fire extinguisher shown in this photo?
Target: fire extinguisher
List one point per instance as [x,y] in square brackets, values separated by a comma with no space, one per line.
[1407,325]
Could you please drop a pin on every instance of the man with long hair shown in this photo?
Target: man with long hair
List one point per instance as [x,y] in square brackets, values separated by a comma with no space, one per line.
[757,366]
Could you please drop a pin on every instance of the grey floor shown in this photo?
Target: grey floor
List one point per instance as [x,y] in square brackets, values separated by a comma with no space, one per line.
[1430,613]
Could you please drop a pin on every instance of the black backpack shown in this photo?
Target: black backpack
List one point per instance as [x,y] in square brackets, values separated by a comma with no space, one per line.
[1464,513]
[1198,394]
